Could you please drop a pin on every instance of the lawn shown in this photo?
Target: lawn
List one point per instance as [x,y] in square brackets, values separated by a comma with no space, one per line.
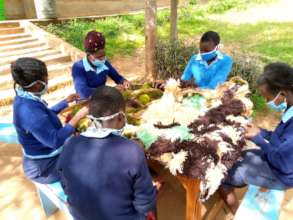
[2,16]
[124,34]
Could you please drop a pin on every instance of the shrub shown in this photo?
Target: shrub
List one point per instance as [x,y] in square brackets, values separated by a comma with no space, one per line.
[171,58]
[248,67]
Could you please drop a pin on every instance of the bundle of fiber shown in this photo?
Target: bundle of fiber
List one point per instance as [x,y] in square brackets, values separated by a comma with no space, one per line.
[197,133]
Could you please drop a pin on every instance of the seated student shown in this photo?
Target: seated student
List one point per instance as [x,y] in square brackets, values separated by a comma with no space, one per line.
[92,70]
[210,67]
[271,165]
[105,175]
[39,130]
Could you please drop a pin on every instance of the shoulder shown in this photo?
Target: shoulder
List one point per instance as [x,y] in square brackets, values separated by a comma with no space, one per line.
[78,66]
[227,59]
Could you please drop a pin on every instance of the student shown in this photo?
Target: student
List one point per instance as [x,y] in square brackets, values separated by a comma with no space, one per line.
[92,70]
[210,67]
[105,175]
[270,165]
[39,130]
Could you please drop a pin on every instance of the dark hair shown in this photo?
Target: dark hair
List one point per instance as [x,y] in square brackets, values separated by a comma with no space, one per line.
[277,76]
[211,36]
[106,101]
[27,70]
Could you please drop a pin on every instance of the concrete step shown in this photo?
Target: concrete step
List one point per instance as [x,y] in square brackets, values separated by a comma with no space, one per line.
[35,43]
[16,30]
[5,69]
[14,36]
[9,24]
[38,54]
[17,41]
[55,70]
[55,84]
[23,52]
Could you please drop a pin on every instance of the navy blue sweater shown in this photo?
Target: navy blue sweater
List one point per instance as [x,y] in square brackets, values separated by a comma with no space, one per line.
[39,129]
[278,146]
[86,79]
[106,179]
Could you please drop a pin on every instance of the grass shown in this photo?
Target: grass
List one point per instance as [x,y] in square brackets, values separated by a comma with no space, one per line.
[2,15]
[271,41]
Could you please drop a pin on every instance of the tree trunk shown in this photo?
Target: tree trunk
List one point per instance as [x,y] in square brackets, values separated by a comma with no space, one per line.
[46,9]
[174,7]
[150,37]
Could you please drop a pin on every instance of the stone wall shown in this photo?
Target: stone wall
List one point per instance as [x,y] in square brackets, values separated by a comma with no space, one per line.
[21,9]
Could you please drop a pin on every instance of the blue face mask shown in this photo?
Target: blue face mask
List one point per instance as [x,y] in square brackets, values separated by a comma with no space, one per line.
[278,108]
[99,63]
[209,55]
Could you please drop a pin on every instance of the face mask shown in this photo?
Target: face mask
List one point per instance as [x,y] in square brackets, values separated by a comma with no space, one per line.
[279,108]
[97,129]
[40,93]
[99,63]
[209,55]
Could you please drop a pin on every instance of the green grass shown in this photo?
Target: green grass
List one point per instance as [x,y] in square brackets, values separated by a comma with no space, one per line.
[2,16]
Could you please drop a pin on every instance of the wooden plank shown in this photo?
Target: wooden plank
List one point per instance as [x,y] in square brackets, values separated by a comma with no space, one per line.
[150,36]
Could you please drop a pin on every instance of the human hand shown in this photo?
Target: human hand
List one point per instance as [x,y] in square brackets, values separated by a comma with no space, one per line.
[126,84]
[72,98]
[251,131]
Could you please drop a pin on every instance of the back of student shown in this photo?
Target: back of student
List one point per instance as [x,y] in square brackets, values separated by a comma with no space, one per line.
[104,175]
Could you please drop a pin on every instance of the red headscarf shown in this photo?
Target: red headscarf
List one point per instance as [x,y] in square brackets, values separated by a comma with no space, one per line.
[94,41]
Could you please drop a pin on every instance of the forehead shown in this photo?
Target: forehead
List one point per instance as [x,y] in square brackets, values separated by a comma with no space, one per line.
[207,46]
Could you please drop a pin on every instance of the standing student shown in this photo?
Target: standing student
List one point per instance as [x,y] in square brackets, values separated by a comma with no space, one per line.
[38,127]
[270,165]
[209,67]
[105,175]
[92,71]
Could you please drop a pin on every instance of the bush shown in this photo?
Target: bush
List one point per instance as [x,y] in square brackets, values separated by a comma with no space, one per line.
[171,58]
[248,67]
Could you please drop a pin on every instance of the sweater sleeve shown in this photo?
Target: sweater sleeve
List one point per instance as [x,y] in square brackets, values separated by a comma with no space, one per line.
[222,73]
[113,73]
[187,74]
[44,130]
[144,191]
[280,157]
[80,82]
[59,106]
[265,133]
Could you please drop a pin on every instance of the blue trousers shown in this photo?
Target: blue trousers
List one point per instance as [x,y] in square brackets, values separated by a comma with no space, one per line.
[254,169]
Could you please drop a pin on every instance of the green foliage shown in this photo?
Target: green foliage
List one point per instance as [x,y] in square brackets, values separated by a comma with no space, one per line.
[259,103]
[172,57]
[2,14]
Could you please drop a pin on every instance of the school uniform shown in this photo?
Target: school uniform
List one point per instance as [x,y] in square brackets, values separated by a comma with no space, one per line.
[106,178]
[270,166]
[86,79]
[41,135]
[208,76]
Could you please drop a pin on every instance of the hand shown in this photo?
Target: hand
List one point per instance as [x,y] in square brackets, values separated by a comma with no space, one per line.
[82,113]
[126,84]
[158,184]
[251,131]
[72,98]
[158,84]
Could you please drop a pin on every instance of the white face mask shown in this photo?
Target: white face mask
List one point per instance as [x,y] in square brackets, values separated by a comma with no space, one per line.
[40,93]
[97,130]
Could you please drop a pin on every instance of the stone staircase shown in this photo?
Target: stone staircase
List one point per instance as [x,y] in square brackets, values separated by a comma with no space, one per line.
[24,39]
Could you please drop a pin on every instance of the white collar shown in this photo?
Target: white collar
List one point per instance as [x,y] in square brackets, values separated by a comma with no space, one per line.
[288,114]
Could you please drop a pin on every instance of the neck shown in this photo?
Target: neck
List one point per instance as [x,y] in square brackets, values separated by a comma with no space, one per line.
[212,60]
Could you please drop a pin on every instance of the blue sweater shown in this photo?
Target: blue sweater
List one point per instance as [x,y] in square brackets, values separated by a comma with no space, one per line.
[278,147]
[86,79]
[39,130]
[106,179]
[208,76]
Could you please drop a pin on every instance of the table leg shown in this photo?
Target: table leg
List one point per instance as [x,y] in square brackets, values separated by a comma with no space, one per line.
[193,205]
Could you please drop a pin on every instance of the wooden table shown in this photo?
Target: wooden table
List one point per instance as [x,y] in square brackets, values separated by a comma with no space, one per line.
[193,204]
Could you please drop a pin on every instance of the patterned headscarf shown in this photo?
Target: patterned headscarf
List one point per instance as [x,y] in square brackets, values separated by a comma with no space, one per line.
[94,41]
